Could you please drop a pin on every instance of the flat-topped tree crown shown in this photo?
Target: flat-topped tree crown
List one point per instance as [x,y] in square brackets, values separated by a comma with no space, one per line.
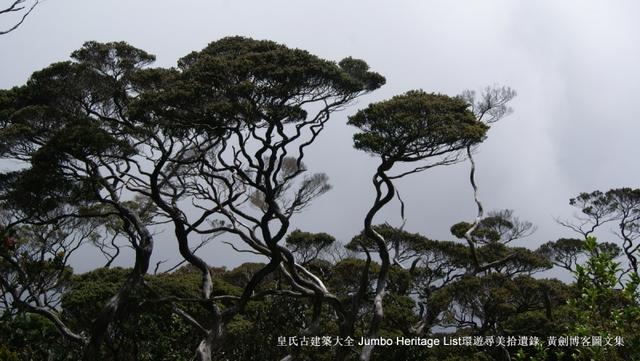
[68,112]
[115,59]
[308,246]
[416,125]
[243,79]
[277,69]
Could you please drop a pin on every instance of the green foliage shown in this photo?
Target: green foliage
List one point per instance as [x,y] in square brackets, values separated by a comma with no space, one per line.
[392,236]
[416,125]
[600,308]
[254,335]
[308,246]
[521,260]
[7,355]
[147,327]
[497,227]
[346,274]
[256,81]
[48,123]
[31,337]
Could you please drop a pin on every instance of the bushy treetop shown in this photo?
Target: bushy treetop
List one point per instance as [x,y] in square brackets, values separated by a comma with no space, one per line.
[416,125]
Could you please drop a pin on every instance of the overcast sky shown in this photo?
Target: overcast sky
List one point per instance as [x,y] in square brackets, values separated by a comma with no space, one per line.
[574,64]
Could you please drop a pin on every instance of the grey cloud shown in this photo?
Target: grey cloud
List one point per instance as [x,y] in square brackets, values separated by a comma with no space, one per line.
[573,63]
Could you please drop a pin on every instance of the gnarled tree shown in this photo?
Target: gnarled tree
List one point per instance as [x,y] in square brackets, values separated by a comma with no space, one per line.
[621,205]
[214,145]
[489,107]
[421,129]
